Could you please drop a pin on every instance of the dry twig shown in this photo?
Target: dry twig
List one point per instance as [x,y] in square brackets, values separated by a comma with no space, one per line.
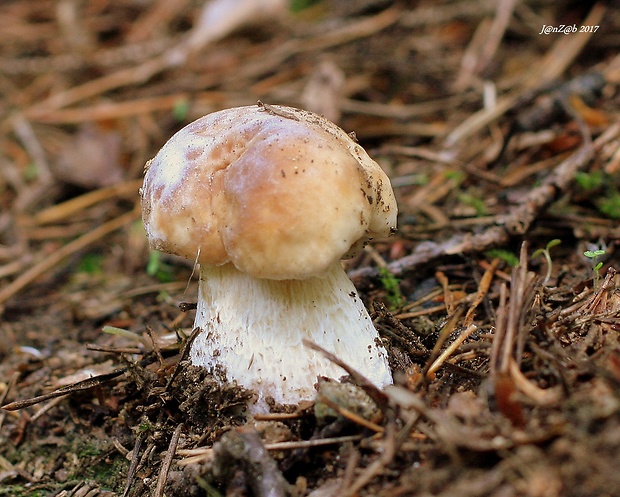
[167,462]
[517,222]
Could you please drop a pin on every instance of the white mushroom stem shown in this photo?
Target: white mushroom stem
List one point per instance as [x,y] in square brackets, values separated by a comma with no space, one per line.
[253,329]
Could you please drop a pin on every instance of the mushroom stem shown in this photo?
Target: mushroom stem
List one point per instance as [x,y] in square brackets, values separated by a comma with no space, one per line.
[253,330]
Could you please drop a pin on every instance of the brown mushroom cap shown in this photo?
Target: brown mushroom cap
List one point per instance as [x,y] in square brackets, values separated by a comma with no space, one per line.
[280,192]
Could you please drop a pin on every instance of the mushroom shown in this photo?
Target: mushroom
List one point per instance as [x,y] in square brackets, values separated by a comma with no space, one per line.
[268,200]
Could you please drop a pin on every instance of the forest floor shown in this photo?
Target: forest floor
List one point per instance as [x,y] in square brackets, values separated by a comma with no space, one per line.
[497,299]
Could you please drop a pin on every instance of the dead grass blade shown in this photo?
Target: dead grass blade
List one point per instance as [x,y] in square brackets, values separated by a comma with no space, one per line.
[483,290]
[80,386]
[451,349]
[351,416]
[444,334]
[66,209]
[167,462]
[202,454]
[133,466]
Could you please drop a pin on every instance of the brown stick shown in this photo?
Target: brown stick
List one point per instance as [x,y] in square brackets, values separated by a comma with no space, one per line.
[165,465]
[517,222]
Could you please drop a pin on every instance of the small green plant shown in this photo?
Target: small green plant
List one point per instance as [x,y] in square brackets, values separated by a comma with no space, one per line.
[505,255]
[607,198]
[594,256]
[610,205]
[474,201]
[31,172]
[454,175]
[546,253]
[91,264]
[158,268]
[145,426]
[180,109]
[391,284]
[589,180]
[297,6]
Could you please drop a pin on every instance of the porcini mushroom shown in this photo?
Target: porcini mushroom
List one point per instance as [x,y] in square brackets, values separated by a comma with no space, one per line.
[268,200]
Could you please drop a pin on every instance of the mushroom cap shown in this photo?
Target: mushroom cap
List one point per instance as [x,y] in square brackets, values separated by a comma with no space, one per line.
[280,192]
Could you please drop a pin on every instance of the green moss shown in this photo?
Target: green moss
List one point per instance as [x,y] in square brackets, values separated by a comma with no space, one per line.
[109,475]
[589,180]
[25,491]
[91,264]
[88,450]
[391,284]
[610,205]
[99,462]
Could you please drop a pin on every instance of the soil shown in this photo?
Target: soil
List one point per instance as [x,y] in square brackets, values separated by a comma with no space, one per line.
[497,299]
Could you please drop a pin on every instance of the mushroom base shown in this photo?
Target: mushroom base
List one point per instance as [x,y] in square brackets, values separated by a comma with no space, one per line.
[253,330]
